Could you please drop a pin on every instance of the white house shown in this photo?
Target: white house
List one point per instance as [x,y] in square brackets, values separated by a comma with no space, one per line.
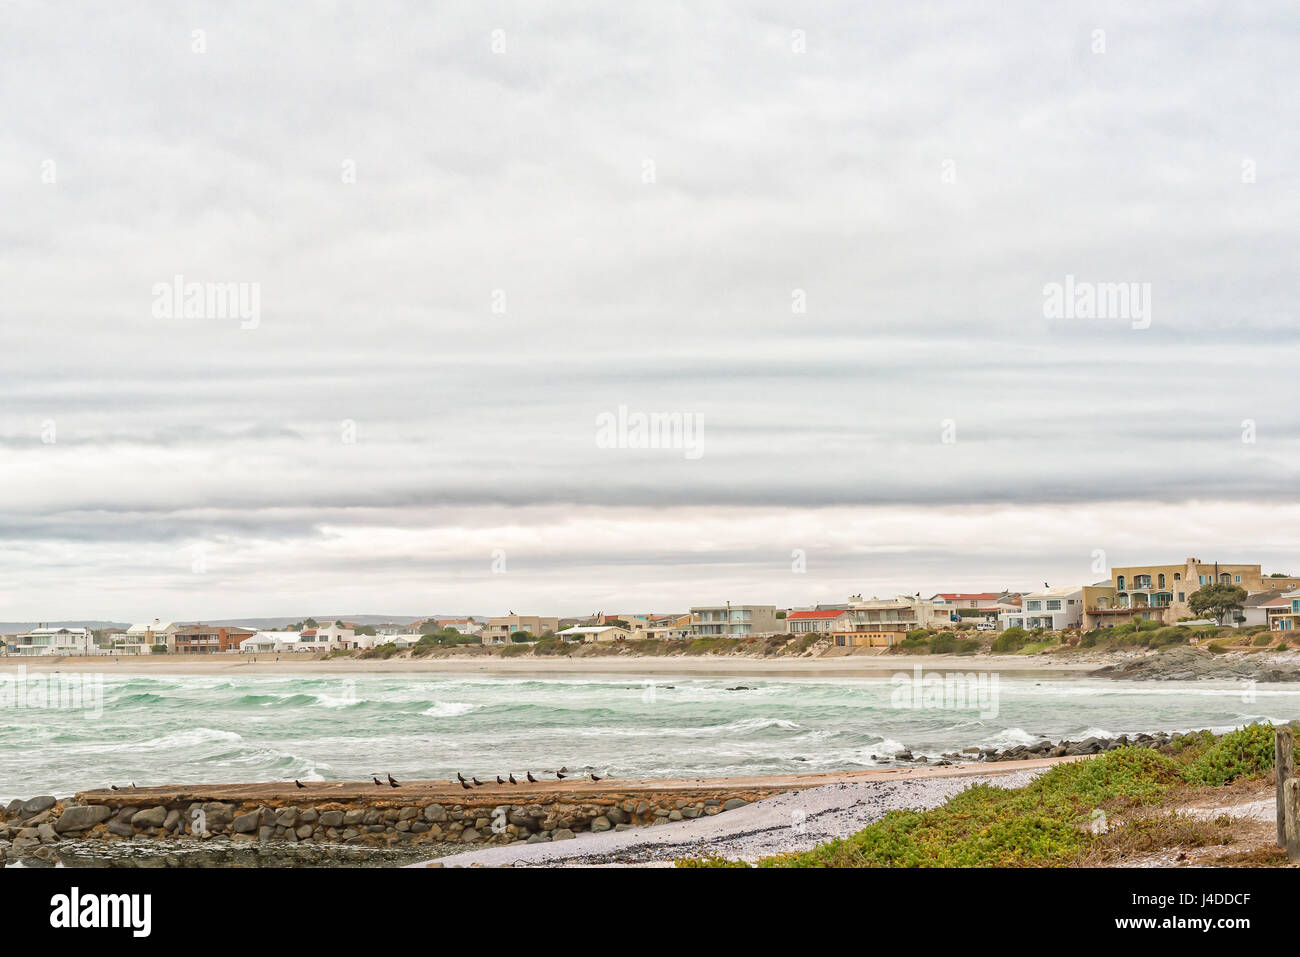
[140,639]
[1052,608]
[595,633]
[268,642]
[45,640]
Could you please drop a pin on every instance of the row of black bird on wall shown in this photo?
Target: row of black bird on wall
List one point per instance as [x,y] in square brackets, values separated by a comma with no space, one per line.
[473,782]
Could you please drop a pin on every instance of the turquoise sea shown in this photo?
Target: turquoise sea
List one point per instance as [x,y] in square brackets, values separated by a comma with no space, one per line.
[217,729]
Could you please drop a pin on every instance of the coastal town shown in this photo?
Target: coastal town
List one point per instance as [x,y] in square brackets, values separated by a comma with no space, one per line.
[1192,592]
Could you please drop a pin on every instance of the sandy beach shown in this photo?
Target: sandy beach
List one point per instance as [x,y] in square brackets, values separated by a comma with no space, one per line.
[694,666]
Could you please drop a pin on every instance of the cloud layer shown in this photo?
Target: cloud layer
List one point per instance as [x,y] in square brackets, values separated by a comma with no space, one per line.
[824,239]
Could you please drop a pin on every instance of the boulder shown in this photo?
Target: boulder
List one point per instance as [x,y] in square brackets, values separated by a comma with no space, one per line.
[563,834]
[36,805]
[120,829]
[435,813]
[469,836]
[246,823]
[331,818]
[47,833]
[150,817]
[734,803]
[601,823]
[82,817]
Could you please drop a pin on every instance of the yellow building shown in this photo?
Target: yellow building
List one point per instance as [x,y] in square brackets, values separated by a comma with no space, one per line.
[1162,592]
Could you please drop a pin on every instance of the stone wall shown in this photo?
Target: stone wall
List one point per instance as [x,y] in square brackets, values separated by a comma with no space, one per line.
[27,827]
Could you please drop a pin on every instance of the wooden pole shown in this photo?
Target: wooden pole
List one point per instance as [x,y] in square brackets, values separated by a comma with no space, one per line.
[1284,766]
[1292,792]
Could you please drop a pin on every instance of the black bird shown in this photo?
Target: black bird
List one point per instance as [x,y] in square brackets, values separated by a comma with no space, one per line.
[529,775]
[299,783]
[499,781]
[115,787]
[512,779]
[378,783]
[594,778]
[132,785]
[460,777]
[477,782]
[392,783]
[465,786]
[559,775]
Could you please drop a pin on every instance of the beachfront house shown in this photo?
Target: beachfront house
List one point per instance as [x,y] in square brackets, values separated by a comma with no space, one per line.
[884,622]
[498,630]
[808,622]
[270,642]
[1055,609]
[1163,592]
[147,638]
[590,633]
[209,639]
[984,601]
[734,621]
[44,641]
[1287,616]
[669,627]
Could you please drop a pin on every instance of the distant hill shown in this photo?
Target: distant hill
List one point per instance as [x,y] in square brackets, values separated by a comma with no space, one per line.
[359,619]
[18,627]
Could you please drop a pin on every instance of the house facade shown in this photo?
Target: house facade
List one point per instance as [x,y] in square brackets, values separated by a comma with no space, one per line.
[884,622]
[734,621]
[1163,592]
[209,639]
[46,641]
[498,630]
[141,639]
[590,633]
[1055,609]
[808,622]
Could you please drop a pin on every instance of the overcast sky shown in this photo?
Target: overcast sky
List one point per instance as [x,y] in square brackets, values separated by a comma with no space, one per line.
[822,237]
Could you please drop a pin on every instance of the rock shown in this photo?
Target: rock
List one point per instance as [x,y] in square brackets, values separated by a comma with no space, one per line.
[331,818]
[469,836]
[286,817]
[734,803]
[435,813]
[536,839]
[601,823]
[304,831]
[265,832]
[47,833]
[36,805]
[150,817]
[120,829]
[617,815]
[407,813]
[563,834]
[174,821]
[354,816]
[309,815]
[674,815]
[14,807]
[246,823]
[82,817]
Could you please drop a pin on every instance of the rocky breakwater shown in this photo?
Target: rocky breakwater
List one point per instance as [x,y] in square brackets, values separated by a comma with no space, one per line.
[1042,749]
[1183,663]
[34,827]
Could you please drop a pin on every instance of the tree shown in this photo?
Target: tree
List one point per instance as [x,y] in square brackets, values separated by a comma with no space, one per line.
[780,614]
[1217,600]
[520,636]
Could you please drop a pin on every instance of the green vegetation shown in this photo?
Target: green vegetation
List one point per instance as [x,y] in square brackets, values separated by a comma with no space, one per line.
[1047,823]
[1011,640]
[521,637]
[1217,600]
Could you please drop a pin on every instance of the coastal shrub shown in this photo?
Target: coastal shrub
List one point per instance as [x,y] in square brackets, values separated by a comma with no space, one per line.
[1262,639]
[1281,646]
[1245,752]
[1013,639]
[945,642]
[520,637]
[967,647]
[1169,635]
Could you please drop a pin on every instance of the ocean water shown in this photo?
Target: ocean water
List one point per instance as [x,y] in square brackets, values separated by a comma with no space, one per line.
[217,729]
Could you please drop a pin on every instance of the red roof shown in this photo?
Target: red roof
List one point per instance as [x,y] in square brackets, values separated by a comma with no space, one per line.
[815,614]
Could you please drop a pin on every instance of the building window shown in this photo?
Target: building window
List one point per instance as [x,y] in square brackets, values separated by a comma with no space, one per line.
[1161,580]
